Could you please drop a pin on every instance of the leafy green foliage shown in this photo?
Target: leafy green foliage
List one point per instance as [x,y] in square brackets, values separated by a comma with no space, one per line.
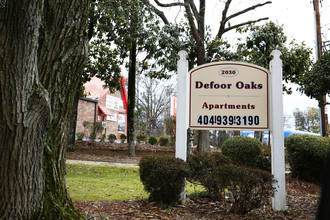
[263,39]
[152,140]
[163,141]
[112,40]
[244,151]
[112,138]
[86,124]
[80,135]
[248,188]
[202,170]
[92,136]
[103,136]
[123,138]
[307,155]
[163,178]
[315,83]
[98,128]
[141,138]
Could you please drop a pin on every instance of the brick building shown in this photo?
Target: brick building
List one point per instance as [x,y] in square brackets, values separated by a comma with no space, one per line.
[102,106]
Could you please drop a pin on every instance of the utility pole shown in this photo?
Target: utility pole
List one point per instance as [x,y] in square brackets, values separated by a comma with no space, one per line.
[324,123]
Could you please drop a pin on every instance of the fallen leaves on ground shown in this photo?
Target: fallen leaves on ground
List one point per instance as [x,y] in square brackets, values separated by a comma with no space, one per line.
[301,201]
[302,197]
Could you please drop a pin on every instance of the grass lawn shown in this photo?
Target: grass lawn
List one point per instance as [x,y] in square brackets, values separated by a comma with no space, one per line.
[97,183]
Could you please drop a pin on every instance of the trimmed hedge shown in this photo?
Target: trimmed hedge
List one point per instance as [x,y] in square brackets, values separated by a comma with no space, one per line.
[245,188]
[141,138]
[123,138]
[112,138]
[245,151]
[248,188]
[307,155]
[152,140]
[202,168]
[163,141]
[163,178]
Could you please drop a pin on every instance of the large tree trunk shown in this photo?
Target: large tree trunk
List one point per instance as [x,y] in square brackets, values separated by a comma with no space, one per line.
[73,124]
[42,52]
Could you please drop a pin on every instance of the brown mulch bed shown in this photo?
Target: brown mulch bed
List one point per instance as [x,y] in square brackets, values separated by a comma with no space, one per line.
[302,201]
[115,152]
[302,197]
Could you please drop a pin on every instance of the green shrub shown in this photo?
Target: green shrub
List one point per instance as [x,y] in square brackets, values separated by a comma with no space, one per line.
[248,188]
[86,124]
[163,141]
[97,127]
[92,136]
[307,155]
[141,138]
[123,138]
[244,151]
[201,168]
[103,136]
[112,138]
[152,140]
[80,135]
[163,178]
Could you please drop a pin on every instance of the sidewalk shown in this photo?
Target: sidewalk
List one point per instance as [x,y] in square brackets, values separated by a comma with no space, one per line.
[100,163]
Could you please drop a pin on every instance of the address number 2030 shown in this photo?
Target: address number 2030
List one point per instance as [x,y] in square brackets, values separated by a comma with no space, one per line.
[228,72]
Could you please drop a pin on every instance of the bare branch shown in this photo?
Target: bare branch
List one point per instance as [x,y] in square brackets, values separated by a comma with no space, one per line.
[191,21]
[239,25]
[156,11]
[169,4]
[247,10]
[194,9]
[225,19]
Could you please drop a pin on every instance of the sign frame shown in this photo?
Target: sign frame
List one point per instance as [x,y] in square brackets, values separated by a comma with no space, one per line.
[230,70]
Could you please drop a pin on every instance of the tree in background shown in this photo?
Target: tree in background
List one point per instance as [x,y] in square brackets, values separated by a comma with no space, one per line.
[43,48]
[315,83]
[197,30]
[308,120]
[126,34]
[257,47]
[151,105]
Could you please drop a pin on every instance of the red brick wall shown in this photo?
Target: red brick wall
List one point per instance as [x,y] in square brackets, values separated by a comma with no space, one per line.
[85,113]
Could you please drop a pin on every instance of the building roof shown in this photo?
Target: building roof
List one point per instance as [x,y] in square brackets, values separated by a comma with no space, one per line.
[104,110]
[95,88]
[89,99]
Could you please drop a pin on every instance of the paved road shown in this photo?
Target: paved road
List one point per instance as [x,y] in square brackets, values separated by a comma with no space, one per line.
[99,163]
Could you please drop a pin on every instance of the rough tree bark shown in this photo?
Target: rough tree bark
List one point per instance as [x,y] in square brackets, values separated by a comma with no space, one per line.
[42,52]
[74,114]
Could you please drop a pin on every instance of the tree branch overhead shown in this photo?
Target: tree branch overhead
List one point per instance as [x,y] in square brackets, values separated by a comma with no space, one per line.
[225,19]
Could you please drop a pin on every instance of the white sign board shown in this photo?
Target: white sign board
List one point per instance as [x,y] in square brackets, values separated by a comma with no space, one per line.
[112,102]
[229,95]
